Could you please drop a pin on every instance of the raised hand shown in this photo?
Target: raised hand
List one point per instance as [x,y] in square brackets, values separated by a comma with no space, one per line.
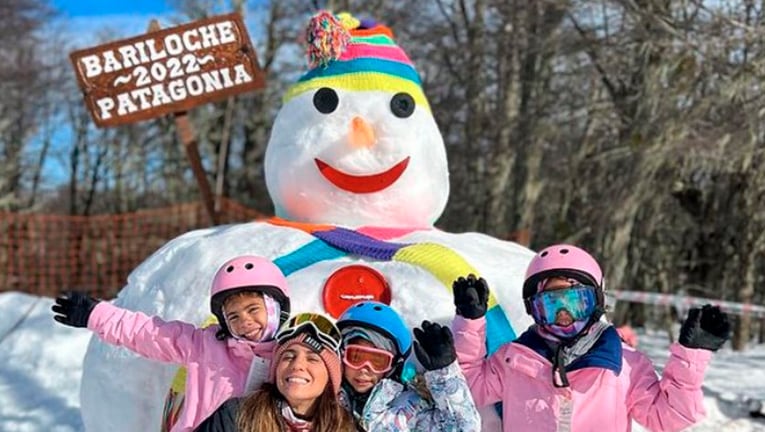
[706,328]
[73,309]
[471,296]
[434,346]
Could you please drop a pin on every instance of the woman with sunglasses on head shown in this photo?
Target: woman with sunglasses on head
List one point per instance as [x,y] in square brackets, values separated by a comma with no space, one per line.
[570,370]
[301,395]
[376,343]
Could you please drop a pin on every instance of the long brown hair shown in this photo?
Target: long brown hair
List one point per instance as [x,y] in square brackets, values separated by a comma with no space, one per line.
[260,412]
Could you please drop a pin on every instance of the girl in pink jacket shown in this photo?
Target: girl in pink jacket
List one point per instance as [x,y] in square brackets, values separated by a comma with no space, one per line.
[570,371]
[250,299]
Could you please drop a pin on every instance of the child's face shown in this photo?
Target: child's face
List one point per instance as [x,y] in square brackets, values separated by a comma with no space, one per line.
[364,379]
[563,317]
[301,377]
[246,315]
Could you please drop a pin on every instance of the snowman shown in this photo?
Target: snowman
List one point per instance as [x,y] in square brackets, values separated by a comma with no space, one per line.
[356,168]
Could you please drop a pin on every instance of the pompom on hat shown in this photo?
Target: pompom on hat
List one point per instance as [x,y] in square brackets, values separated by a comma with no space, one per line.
[357,55]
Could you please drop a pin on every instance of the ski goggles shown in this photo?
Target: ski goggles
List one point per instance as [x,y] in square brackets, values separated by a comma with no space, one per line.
[316,325]
[377,360]
[578,300]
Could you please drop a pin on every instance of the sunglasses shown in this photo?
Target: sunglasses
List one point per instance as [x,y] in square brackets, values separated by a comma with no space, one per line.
[358,356]
[578,300]
[314,324]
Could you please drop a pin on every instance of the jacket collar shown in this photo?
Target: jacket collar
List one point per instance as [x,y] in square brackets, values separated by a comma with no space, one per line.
[248,349]
[292,421]
[606,353]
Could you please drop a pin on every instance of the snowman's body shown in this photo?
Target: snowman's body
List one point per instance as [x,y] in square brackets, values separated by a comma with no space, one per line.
[123,392]
[354,149]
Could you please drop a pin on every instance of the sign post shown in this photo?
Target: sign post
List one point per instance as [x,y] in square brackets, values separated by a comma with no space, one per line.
[169,72]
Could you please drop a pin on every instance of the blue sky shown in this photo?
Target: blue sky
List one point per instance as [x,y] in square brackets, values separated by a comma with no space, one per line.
[91,8]
[90,22]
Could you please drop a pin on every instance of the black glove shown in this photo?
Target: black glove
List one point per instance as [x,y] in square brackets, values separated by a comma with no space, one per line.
[471,296]
[73,309]
[434,346]
[707,328]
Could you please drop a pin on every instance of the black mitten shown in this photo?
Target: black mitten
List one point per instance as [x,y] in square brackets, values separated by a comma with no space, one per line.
[471,296]
[706,328]
[73,309]
[434,346]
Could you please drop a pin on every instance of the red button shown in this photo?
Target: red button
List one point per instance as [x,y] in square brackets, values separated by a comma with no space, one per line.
[352,284]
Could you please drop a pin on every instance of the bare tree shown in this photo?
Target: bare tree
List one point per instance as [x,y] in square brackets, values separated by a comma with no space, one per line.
[23,85]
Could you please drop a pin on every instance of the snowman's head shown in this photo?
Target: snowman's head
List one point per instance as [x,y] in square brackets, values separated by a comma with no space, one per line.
[355,142]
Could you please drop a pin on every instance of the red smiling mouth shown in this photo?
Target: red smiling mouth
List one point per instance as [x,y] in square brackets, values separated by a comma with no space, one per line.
[363,183]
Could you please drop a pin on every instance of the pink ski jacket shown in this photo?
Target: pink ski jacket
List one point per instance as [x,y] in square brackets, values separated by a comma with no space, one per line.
[216,370]
[598,399]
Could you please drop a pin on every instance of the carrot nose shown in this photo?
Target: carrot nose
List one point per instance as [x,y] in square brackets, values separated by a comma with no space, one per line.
[361,133]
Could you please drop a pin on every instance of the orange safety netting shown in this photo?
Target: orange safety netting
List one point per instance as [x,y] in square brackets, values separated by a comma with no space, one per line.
[48,254]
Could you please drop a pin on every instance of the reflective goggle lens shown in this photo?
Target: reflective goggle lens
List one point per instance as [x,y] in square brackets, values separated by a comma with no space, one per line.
[317,324]
[579,300]
[358,356]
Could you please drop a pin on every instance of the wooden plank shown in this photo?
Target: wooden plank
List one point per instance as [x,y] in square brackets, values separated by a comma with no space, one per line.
[167,71]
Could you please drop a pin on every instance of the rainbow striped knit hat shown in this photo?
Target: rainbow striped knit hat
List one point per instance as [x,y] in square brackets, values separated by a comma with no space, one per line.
[357,55]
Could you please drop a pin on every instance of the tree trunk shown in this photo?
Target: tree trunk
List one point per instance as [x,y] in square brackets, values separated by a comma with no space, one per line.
[473,141]
[500,194]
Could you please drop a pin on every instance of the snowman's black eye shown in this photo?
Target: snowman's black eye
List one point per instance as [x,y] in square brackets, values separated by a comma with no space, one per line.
[402,105]
[325,100]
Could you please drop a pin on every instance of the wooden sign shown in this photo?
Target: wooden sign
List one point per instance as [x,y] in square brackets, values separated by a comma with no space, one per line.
[167,71]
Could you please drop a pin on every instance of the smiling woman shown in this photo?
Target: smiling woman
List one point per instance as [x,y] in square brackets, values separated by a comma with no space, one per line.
[305,381]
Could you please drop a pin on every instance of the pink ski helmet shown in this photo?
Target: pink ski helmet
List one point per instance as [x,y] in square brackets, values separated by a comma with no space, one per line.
[248,273]
[562,260]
